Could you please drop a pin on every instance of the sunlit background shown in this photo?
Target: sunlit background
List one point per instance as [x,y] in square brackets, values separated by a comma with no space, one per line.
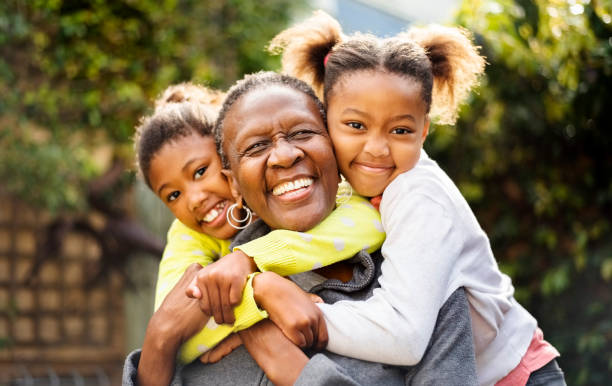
[80,237]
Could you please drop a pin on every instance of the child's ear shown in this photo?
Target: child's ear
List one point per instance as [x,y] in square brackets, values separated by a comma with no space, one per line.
[233,185]
[425,129]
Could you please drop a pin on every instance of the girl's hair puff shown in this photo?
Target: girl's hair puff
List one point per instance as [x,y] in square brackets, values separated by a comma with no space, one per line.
[182,110]
[190,92]
[442,59]
[456,65]
[305,47]
[253,82]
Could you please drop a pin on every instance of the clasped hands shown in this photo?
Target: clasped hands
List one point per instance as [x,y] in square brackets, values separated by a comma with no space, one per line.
[218,288]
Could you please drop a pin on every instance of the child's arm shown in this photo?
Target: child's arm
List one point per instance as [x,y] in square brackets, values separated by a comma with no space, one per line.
[348,229]
[395,325]
[185,247]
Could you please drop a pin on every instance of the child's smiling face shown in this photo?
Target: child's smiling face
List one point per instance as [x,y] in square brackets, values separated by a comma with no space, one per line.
[378,123]
[186,175]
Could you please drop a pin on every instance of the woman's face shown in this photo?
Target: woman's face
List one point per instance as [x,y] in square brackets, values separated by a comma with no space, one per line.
[281,158]
[186,175]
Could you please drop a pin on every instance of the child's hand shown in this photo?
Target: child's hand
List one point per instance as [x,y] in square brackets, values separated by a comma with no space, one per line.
[219,285]
[226,346]
[291,309]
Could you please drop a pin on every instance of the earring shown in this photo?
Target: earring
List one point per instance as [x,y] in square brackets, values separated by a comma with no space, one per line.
[247,218]
[345,191]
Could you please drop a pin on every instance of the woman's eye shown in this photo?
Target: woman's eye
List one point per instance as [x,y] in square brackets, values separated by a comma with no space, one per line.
[355,125]
[301,134]
[401,130]
[173,196]
[255,148]
[199,173]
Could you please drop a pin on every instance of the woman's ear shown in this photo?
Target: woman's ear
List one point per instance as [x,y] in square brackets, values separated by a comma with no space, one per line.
[234,188]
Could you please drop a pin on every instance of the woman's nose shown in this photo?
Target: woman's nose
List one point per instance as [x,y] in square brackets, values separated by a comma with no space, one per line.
[284,154]
[376,147]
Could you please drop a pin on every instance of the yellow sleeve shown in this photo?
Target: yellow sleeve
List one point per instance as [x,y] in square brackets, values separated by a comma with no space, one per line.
[246,313]
[184,247]
[351,227]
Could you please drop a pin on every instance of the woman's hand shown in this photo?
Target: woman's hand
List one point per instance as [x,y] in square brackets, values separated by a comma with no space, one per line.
[291,309]
[219,285]
[278,357]
[225,347]
[175,321]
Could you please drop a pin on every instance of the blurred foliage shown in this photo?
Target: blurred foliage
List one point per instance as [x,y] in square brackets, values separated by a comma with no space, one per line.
[532,154]
[75,76]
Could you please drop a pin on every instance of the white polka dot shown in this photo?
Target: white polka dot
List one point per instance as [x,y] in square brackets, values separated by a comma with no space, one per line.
[378,226]
[186,237]
[317,265]
[365,248]
[347,221]
[306,237]
[367,203]
[202,348]
[339,244]
[197,252]
[346,206]
[211,325]
[168,254]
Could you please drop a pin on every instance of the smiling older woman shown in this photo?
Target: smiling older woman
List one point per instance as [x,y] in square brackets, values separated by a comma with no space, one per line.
[271,135]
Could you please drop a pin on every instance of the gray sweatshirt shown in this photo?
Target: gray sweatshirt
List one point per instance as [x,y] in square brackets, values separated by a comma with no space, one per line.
[448,359]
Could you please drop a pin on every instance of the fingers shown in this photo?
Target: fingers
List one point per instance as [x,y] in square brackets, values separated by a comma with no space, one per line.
[226,347]
[322,336]
[193,291]
[226,308]
[205,302]
[315,298]
[214,298]
[235,292]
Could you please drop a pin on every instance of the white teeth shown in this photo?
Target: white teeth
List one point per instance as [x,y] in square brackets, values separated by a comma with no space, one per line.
[214,212]
[292,185]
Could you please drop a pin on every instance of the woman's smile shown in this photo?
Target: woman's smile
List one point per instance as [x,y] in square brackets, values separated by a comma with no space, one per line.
[293,190]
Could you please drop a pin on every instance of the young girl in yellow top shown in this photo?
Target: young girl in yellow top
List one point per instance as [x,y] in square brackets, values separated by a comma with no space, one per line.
[178,160]
[379,95]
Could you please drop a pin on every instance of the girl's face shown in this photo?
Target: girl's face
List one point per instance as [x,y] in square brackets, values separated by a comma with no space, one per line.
[186,175]
[378,123]
[281,158]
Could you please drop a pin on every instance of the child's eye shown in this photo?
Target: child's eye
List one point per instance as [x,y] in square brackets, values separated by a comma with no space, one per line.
[401,130]
[173,196]
[199,173]
[355,125]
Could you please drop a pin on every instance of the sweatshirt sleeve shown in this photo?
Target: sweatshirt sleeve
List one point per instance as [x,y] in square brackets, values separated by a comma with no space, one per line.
[351,227]
[247,313]
[185,247]
[394,326]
